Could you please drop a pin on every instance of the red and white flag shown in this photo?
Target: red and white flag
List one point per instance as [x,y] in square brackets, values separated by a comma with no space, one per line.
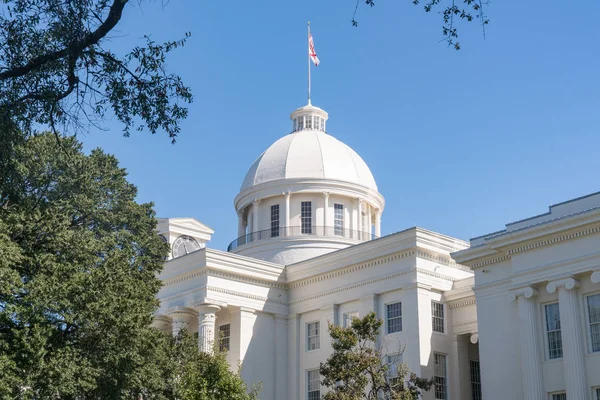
[311,50]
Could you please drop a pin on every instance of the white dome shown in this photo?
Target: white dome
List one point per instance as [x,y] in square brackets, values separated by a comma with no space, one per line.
[309,154]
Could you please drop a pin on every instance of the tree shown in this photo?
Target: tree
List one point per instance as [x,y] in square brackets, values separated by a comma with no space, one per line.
[56,71]
[78,265]
[357,369]
[471,10]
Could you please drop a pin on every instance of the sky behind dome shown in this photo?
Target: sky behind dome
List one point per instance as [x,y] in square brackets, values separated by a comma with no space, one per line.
[459,142]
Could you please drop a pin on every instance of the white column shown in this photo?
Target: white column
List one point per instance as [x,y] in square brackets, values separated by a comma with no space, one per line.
[255,219]
[207,316]
[241,228]
[359,202]
[378,223]
[572,337]
[325,211]
[280,356]
[287,195]
[328,316]
[181,317]
[531,358]
[460,371]
[293,359]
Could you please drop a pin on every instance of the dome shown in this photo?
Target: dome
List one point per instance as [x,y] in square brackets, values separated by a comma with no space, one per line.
[309,154]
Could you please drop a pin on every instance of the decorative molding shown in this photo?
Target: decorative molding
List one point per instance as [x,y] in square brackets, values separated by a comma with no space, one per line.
[446,260]
[244,295]
[474,338]
[566,283]
[490,261]
[595,276]
[462,303]
[220,274]
[556,239]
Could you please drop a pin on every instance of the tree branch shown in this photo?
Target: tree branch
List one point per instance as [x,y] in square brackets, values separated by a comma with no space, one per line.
[75,48]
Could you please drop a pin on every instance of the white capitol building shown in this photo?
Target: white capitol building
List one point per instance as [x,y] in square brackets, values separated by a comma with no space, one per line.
[514,314]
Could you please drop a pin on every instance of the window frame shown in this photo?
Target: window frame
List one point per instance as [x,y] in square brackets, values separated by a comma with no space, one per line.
[387,318]
[546,338]
[306,229]
[346,315]
[223,339]
[589,323]
[275,221]
[445,377]
[475,395]
[559,393]
[433,317]
[596,392]
[317,335]
[399,360]
[338,207]
[308,391]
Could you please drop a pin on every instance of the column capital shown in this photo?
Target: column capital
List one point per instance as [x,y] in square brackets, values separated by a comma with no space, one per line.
[527,292]
[326,195]
[280,317]
[287,194]
[181,313]
[474,338]
[565,283]
[360,200]
[256,201]
[207,308]
[293,316]
[240,213]
[596,276]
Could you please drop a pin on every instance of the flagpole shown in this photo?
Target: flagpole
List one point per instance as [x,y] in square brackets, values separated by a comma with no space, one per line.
[308,53]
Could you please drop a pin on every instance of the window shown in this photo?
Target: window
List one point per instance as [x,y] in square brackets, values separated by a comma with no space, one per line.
[275,220]
[553,331]
[312,336]
[593,303]
[393,362]
[306,216]
[309,122]
[300,124]
[475,380]
[313,384]
[559,396]
[597,393]
[224,337]
[440,377]
[437,316]
[338,219]
[348,317]
[394,317]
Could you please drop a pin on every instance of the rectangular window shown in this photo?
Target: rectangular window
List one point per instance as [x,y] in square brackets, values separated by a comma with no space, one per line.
[338,219]
[440,376]
[308,122]
[348,317]
[306,216]
[224,337]
[593,303]
[597,393]
[394,317]
[300,124]
[553,331]
[437,316]
[393,363]
[559,396]
[475,380]
[313,384]
[275,220]
[312,336]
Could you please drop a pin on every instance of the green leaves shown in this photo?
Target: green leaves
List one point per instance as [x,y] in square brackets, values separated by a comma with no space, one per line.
[358,370]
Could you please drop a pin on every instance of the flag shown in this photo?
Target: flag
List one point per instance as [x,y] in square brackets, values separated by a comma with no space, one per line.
[311,50]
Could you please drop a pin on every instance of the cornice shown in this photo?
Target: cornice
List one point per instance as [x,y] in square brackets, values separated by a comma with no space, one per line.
[442,259]
[554,240]
[244,295]
[462,303]
[207,271]
[489,261]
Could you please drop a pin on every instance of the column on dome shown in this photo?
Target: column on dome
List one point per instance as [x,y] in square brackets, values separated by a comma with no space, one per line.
[207,316]
[255,234]
[241,227]
[531,358]
[359,206]
[572,336]
[368,228]
[181,318]
[325,211]
[286,221]
[378,223]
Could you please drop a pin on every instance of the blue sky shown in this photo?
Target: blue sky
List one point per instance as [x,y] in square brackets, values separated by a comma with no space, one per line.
[459,142]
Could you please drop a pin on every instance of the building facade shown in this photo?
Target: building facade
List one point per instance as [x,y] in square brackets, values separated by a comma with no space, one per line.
[309,254]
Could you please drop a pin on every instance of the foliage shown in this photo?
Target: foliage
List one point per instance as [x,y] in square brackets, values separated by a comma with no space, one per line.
[357,369]
[205,376]
[469,11]
[56,71]
[78,265]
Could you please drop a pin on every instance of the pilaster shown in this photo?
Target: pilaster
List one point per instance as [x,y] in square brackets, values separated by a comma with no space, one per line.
[280,356]
[293,358]
[572,337]
[244,318]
